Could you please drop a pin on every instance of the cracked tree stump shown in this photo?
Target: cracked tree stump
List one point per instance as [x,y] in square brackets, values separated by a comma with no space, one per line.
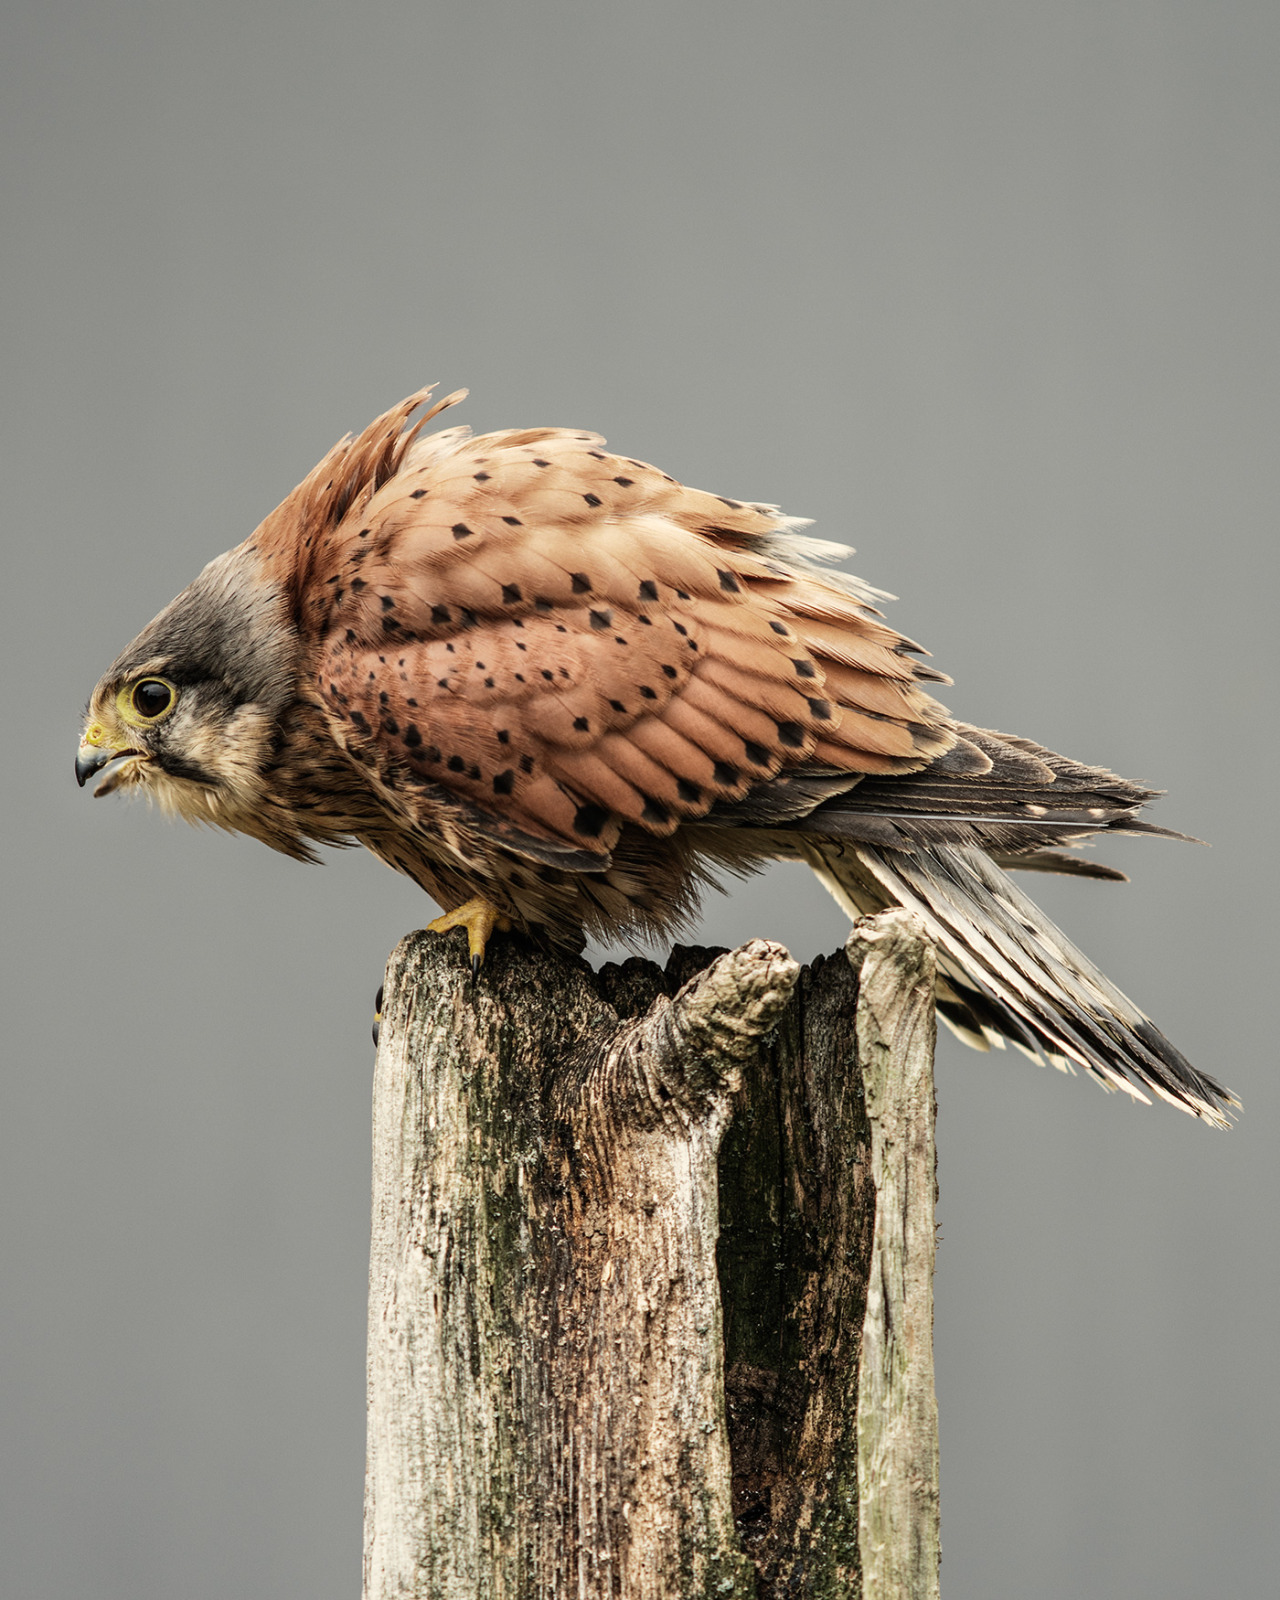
[650,1306]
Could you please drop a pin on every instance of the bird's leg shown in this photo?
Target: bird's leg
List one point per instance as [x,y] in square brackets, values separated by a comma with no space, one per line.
[480,919]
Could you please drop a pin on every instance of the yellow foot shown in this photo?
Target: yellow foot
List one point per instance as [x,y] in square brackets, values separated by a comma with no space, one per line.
[480,919]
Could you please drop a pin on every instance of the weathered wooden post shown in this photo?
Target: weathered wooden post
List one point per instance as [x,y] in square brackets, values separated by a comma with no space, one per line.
[651,1283]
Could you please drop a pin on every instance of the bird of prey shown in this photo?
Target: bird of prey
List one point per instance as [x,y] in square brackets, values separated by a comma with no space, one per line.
[562,691]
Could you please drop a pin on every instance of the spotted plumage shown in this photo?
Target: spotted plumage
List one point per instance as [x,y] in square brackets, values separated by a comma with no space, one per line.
[551,683]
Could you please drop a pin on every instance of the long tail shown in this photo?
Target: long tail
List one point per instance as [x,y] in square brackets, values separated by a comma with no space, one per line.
[1007,974]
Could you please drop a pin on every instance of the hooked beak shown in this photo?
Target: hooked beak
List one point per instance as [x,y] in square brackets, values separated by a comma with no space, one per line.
[89,760]
[92,757]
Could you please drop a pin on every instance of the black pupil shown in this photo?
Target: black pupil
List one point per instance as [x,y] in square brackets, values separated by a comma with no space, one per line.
[151,698]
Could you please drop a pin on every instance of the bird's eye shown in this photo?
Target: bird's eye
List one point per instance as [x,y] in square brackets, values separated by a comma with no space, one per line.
[147,700]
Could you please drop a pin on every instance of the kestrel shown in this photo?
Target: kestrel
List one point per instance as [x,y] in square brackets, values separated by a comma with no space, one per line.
[562,692]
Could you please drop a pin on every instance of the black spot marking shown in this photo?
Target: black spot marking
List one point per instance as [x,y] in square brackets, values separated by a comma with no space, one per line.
[821,710]
[756,754]
[456,764]
[624,482]
[669,672]
[646,693]
[541,603]
[468,617]
[592,499]
[560,628]
[648,590]
[539,462]
[481,477]
[360,720]
[519,677]
[728,582]
[390,725]
[690,793]
[461,531]
[513,522]
[618,706]
[389,624]
[357,584]
[681,594]
[504,782]
[363,534]
[504,736]
[654,811]
[693,644]
[645,622]
[431,754]
[511,595]
[581,583]
[547,675]
[351,635]
[488,683]
[780,627]
[520,645]
[449,648]
[564,672]
[526,764]
[441,614]
[581,725]
[680,628]
[618,639]
[805,669]
[411,736]
[602,619]
[417,494]
[725,775]
[383,697]
[791,734]
[442,683]
[596,455]
[590,820]
[387,602]
[411,701]
[475,773]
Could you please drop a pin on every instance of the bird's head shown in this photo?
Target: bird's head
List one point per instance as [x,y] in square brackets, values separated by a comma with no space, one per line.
[188,714]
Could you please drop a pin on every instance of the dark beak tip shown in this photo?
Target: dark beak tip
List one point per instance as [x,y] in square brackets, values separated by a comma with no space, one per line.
[87,765]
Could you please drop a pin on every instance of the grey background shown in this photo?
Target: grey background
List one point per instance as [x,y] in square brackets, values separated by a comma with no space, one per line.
[988,289]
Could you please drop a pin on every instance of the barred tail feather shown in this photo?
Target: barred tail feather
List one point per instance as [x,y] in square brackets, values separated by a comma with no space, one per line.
[1007,974]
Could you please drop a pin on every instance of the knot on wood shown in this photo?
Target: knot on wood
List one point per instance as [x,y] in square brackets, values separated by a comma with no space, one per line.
[687,1052]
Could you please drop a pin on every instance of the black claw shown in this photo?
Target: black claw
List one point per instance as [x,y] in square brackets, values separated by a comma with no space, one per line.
[475,967]
[377,1000]
[377,1015]
[377,1029]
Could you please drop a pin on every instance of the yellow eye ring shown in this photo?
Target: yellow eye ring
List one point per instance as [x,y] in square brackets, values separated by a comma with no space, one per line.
[146,701]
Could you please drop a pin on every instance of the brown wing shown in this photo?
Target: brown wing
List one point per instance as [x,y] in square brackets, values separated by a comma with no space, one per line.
[570,639]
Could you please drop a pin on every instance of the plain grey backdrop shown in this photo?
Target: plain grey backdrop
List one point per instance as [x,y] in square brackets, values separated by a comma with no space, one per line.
[988,288]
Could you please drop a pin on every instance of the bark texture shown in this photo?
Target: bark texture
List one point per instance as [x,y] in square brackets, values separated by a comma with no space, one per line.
[650,1286]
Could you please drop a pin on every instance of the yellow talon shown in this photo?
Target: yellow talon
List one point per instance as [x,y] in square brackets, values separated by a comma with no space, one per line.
[480,919]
